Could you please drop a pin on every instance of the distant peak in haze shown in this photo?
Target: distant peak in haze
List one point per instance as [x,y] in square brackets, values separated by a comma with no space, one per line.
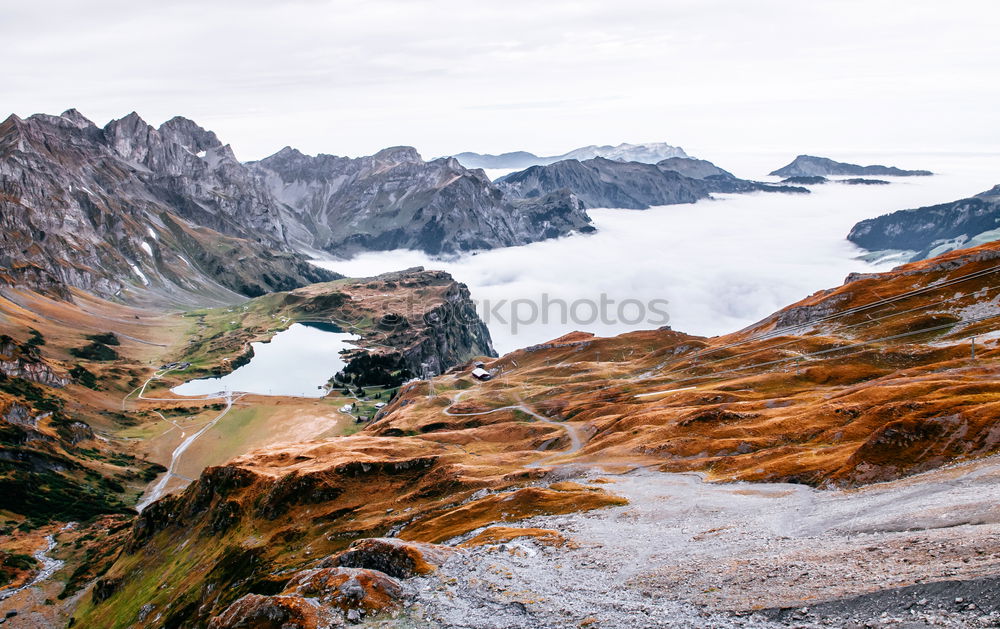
[811,166]
[648,153]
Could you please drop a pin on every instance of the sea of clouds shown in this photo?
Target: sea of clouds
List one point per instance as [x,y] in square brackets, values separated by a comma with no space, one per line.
[711,267]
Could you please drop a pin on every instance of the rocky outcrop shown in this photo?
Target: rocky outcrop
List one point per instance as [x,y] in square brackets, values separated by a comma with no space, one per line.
[810,166]
[649,153]
[929,231]
[602,182]
[805,181]
[136,212]
[257,611]
[395,557]
[396,200]
[17,362]
[861,181]
[316,599]
[34,371]
[370,591]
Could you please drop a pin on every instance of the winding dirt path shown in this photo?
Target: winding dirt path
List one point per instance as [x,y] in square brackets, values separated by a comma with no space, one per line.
[157,490]
[576,441]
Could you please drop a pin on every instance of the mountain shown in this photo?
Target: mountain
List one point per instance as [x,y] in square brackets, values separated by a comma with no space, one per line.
[929,231]
[809,166]
[515,159]
[136,212]
[648,153]
[719,180]
[161,214]
[815,180]
[601,182]
[394,199]
[831,438]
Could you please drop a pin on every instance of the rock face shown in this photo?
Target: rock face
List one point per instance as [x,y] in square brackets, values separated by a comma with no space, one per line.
[15,362]
[929,231]
[601,182]
[435,323]
[130,209]
[810,166]
[649,153]
[394,199]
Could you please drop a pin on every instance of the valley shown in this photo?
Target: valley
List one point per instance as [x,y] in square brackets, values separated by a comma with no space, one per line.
[652,464]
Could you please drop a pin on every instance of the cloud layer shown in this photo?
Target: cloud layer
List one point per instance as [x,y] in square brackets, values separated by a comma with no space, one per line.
[445,76]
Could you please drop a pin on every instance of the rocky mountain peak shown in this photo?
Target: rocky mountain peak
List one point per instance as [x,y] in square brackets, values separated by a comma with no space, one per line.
[991,193]
[129,137]
[10,134]
[285,158]
[398,155]
[812,166]
[189,134]
[287,153]
[77,118]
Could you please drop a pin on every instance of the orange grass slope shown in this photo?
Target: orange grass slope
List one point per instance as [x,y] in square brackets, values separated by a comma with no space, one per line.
[865,382]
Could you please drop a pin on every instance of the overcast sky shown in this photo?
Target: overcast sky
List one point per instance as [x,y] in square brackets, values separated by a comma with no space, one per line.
[351,77]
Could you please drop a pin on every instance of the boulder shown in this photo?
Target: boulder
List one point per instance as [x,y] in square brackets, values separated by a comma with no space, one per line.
[347,588]
[255,611]
[395,557]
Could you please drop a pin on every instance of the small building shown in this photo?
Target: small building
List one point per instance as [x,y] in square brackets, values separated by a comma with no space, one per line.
[481,374]
[379,404]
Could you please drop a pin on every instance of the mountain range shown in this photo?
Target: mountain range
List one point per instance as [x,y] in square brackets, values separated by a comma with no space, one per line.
[810,166]
[138,212]
[929,231]
[648,153]
[396,200]
[605,183]
[129,210]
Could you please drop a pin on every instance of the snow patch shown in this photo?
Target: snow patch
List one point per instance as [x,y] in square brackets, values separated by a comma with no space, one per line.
[145,281]
[152,234]
[145,247]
